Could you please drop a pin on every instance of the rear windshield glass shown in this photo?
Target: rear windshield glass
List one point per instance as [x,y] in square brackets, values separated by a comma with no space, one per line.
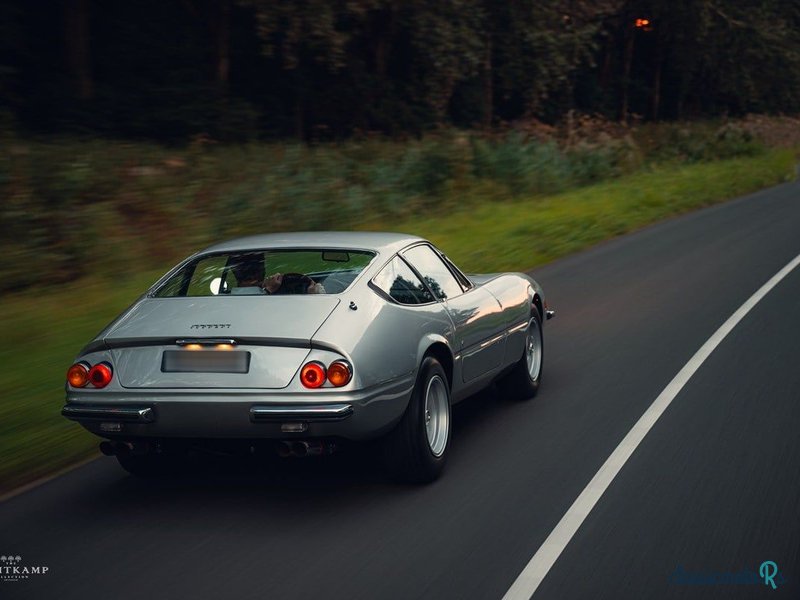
[266,272]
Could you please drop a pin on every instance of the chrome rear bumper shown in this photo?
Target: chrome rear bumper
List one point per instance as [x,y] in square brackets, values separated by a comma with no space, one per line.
[320,412]
[128,414]
[163,414]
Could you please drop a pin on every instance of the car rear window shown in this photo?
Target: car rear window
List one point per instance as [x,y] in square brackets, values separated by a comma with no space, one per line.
[264,272]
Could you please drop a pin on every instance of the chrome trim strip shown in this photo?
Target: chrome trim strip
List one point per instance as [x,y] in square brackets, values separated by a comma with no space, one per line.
[302,412]
[494,340]
[519,327]
[114,413]
[206,341]
[110,343]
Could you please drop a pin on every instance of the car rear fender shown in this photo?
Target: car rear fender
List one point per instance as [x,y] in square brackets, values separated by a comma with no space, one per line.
[438,347]
[385,340]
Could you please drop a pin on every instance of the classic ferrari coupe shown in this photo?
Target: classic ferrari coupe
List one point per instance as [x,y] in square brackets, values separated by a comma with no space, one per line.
[302,340]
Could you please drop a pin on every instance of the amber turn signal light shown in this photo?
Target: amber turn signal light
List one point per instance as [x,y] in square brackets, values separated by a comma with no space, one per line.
[100,375]
[312,375]
[340,373]
[78,375]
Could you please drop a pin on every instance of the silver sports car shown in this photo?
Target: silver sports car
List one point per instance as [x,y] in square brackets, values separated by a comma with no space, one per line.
[301,341]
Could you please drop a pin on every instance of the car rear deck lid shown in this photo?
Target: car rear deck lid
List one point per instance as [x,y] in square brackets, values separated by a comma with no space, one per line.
[232,317]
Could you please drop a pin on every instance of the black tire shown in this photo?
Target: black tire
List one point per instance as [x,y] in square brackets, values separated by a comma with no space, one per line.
[407,451]
[148,466]
[519,384]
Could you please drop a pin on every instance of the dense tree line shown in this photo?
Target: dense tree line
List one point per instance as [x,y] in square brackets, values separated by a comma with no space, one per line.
[321,69]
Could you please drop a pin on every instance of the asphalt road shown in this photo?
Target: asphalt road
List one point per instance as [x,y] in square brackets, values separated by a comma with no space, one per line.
[714,488]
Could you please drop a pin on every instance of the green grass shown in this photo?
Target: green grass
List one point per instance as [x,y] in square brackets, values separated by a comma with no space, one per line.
[43,331]
[514,235]
[45,328]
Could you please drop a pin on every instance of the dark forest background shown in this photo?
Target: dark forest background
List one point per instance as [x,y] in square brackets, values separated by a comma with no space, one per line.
[327,69]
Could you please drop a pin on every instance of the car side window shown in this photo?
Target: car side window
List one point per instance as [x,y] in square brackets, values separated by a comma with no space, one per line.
[462,279]
[434,271]
[401,284]
[204,273]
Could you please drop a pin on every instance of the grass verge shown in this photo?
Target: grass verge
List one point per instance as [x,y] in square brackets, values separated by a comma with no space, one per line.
[45,328]
[514,235]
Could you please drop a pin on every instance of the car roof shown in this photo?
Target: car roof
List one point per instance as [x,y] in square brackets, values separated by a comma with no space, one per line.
[381,242]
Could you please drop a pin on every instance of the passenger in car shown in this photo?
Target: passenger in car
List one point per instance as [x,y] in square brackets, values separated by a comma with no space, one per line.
[249,273]
[274,284]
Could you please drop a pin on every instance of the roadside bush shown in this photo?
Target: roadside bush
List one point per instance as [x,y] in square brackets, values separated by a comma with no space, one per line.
[686,142]
[528,166]
[523,167]
[73,207]
[426,168]
[732,141]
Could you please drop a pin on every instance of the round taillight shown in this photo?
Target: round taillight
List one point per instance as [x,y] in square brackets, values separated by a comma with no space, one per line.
[313,374]
[78,375]
[100,375]
[340,373]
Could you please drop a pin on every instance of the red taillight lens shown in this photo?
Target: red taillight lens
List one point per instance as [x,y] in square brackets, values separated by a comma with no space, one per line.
[78,375]
[313,374]
[340,373]
[100,375]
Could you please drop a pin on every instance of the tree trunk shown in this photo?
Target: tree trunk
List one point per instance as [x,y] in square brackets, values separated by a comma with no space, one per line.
[656,98]
[222,38]
[488,86]
[605,71]
[299,104]
[630,36]
[76,29]
[382,30]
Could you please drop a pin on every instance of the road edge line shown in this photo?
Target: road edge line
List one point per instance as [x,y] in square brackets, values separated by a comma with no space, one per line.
[528,581]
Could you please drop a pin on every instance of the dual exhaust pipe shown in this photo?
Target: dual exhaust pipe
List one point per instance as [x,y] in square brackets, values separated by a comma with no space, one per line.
[286,448]
[123,448]
[303,448]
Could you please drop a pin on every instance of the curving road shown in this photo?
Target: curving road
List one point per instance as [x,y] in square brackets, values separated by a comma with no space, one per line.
[713,489]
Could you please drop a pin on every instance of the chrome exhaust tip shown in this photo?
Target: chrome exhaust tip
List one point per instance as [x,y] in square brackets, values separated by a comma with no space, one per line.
[303,448]
[300,448]
[284,449]
[110,448]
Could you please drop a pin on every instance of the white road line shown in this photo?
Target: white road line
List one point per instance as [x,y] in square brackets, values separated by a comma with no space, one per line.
[536,570]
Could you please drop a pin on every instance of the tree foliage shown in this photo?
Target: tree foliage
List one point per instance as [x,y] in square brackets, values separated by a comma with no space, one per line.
[321,69]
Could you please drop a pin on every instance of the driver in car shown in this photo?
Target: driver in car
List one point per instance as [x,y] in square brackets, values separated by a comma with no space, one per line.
[273,283]
[249,273]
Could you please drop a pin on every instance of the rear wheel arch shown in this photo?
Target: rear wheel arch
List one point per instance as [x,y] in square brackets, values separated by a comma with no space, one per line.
[416,449]
[441,352]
